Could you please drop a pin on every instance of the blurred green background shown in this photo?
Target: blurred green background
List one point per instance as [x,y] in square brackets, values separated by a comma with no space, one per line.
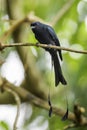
[71,30]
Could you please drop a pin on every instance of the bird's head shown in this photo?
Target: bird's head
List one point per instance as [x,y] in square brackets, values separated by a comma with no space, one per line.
[35,25]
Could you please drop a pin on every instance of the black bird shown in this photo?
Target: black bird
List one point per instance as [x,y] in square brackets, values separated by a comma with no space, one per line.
[46,35]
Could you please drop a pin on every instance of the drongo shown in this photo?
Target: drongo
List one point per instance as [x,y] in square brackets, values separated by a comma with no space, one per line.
[46,35]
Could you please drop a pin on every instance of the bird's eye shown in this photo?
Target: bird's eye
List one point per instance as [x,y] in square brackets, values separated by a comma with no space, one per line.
[34,24]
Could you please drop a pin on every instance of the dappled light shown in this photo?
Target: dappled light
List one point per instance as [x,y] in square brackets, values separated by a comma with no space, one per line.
[13,71]
[74,55]
[43,64]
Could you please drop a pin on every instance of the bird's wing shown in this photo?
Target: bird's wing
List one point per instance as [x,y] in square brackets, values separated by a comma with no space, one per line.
[53,36]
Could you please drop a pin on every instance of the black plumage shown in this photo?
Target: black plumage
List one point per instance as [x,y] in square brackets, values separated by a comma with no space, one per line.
[46,35]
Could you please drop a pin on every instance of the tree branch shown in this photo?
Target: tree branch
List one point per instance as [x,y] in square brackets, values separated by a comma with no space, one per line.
[70,126]
[62,11]
[3,46]
[31,17]
[33,76]
[17,99]
[27,96]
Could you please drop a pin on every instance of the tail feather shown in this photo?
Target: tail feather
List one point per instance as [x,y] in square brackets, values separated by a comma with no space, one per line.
[60,55]
[58,72]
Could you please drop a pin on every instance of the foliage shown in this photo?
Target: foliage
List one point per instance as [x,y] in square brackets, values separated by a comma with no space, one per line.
[4,125]
[71,30]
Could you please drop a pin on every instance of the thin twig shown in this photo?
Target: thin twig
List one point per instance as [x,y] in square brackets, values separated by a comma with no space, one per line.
[17,99]
[3,46]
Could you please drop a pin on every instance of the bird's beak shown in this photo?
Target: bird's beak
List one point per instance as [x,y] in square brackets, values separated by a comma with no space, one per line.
[32,27]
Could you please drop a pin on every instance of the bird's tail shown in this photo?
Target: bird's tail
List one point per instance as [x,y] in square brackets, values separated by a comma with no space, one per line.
[58,72]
